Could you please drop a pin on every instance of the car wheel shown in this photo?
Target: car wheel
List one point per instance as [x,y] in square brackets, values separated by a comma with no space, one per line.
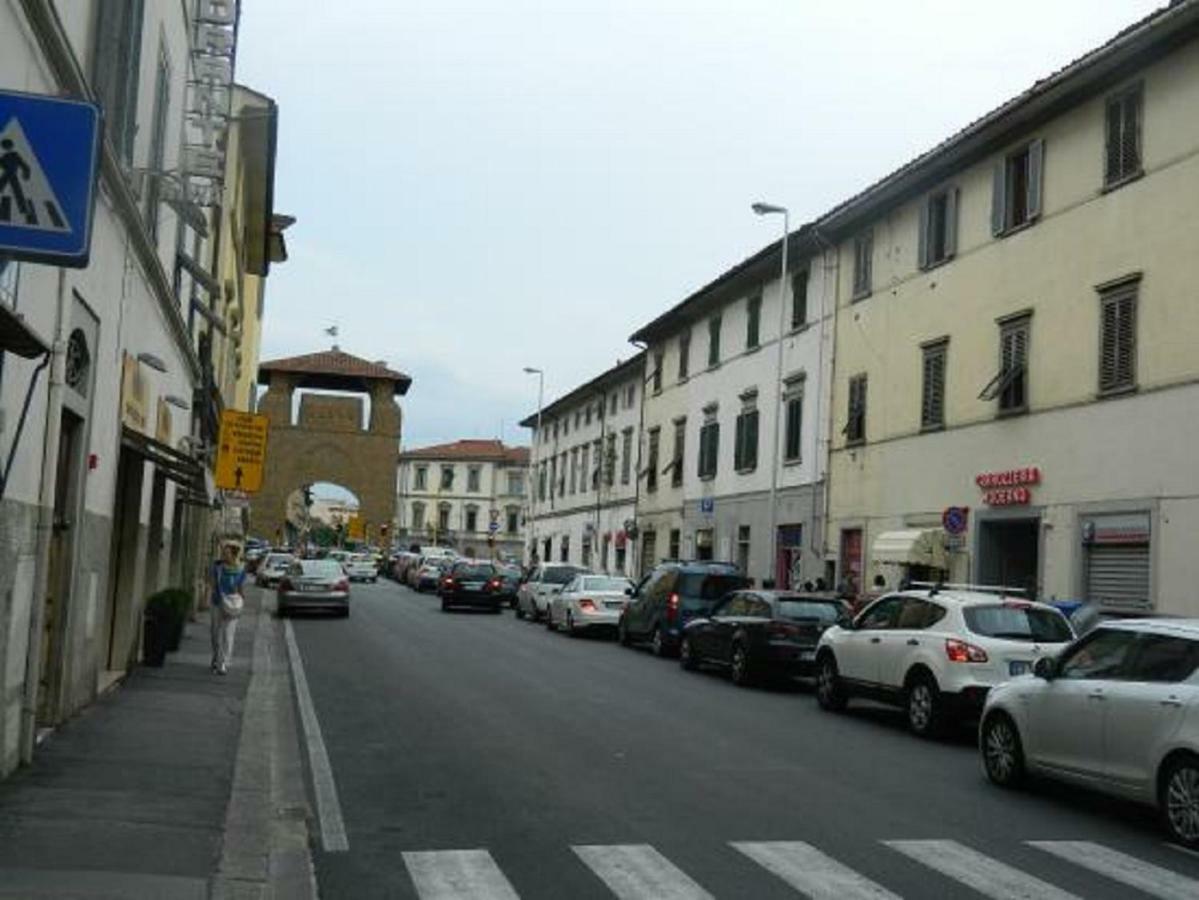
[658,643]
[520,613]
[687,656]
[445,605]
[1003,757]
[740,669]
[923,702]
[830,692]
[549,620]
[622,634]
[1180,800]
[570,626]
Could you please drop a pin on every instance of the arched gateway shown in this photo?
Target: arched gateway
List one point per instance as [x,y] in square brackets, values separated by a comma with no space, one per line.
[327,442]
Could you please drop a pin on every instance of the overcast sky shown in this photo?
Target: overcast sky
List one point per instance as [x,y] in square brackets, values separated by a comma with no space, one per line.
[482,186]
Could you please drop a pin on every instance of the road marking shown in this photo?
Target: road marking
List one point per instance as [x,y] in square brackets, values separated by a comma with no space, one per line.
[1152,880]
[457,875]
[639,872]
[328,809]
[811,872]
[989,877]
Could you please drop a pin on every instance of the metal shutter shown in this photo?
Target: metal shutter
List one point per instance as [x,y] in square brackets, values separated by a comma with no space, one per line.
[1118,575]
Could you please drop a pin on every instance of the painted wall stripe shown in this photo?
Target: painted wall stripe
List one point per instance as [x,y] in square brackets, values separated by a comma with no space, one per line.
[639,872]
[811,872]
[1152,880]
[457,875]
[989,877]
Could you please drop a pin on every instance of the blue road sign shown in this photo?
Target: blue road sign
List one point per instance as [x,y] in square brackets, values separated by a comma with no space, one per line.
[49,156]
[955,519]
[493,527]
[707,505]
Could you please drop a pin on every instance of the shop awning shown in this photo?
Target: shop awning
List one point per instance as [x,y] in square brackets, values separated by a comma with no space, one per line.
[919,547]
[178,467]
[17,337]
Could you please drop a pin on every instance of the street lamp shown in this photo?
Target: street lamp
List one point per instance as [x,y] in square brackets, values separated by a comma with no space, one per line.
[768,209]
[533,482]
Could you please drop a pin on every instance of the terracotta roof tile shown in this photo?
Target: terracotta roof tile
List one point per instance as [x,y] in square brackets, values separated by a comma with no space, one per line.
[331,365]
[472,450]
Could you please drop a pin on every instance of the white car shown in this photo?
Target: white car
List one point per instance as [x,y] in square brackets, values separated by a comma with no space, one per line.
[1117,711]
[534,596]
[935,652]
[273,568]
[360,567]
[588,601]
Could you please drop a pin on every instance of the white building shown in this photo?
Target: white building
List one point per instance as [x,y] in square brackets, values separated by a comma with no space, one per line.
[586,462]
[469,495]
[732,414]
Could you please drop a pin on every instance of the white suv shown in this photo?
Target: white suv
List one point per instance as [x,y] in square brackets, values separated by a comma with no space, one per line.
[935,652]
[1118,711]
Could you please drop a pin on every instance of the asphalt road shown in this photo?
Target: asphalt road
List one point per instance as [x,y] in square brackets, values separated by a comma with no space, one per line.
[476,732]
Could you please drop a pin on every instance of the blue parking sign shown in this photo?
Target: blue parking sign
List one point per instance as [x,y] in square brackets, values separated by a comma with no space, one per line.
[49,157]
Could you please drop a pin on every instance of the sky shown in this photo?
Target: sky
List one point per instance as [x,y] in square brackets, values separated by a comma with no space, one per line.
[483,186]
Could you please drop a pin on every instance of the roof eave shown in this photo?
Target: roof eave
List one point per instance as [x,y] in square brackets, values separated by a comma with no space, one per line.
[615,373]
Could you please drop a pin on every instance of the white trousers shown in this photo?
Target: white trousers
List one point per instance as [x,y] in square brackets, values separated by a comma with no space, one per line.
[223,629]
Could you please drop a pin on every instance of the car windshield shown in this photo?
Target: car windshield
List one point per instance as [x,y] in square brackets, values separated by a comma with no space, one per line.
[604,583]
[709,586]
[1018,622]
[279,559]
[320,568]
[827,612]
[559,574]
[474,571]
[361,558]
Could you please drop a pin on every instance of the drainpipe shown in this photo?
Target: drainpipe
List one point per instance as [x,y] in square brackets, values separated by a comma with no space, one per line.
[835,274]
[636,554]
[45,524]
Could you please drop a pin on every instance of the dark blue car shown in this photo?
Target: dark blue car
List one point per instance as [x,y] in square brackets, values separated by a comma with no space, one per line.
[670,596]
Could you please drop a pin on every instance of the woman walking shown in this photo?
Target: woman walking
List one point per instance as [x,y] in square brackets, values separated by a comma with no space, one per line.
[228,576]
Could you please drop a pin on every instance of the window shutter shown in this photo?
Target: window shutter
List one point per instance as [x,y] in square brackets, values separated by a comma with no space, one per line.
[951,222]
[739,442]
[1036,159]
[751,441]
[1114,131]
[1126,360]
[998,195]
[1130,138]
[1109,346]
[922,236]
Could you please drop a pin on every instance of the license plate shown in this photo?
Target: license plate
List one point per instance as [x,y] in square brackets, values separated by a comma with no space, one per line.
[472,586]
[807,655]
[311,588]
[1019,667]
[614,604]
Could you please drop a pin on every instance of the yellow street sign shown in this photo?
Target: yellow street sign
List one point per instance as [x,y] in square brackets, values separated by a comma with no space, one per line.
[242,451]
[357,529]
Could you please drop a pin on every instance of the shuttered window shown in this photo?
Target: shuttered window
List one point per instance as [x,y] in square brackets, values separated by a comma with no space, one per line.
[1016,188]
[863,259]
[793,403]
[1117,575]
[657,374]
[937,240]
[745,443]
[709,446]
[714,341]
[753,322]
[1013,350]
[684,355]
[1123,136]
[162,102]
[855,424]
[799,299]
[1118,339]
[680,439]
[651,472]
[932,395]
[116,64]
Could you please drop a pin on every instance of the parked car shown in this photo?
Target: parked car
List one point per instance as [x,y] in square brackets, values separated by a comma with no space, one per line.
[509,577]
[400,563]
[588,602]
[314,584]
[360,567]
[1117,711]
[429,575]
[936,653]
[756,635]
[533,598]
[470,582]
[670,596]
[273,568]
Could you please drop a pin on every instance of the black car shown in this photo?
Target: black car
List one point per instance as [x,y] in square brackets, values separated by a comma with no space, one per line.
[470,583]
[761,634]
[670,596]
[509,577]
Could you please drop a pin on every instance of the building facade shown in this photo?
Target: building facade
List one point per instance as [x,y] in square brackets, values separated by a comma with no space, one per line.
[736,402]
[470,495]
[585,483]
[108,391]
[1016,374]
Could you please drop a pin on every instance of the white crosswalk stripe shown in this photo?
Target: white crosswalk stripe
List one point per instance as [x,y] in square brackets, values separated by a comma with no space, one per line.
[458,875]
[988,876]
[1146,877]
[811,872]
[639,872]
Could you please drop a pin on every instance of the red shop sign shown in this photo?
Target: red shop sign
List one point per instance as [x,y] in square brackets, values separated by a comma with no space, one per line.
[1009,478]
[1019,496]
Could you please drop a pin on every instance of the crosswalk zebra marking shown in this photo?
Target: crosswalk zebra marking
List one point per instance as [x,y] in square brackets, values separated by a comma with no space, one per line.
[457,875]
[987,876]
[1152,880]
[639,872]
[811,872]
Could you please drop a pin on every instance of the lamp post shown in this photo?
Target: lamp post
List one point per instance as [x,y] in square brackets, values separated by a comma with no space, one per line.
[534,481]
[767,209]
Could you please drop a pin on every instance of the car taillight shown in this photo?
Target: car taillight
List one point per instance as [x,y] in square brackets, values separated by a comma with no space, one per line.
[961,652]
[587,605]
[343,585]
[447,582]
[672,607]
[493,585]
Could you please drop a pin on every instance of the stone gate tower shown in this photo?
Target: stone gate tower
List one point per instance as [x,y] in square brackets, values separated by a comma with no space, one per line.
[326,441]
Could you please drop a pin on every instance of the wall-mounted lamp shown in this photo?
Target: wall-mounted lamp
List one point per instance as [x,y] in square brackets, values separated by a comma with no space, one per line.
[152,361]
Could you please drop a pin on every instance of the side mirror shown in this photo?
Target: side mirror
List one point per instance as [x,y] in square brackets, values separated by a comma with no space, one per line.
[628,592]
[1046,668]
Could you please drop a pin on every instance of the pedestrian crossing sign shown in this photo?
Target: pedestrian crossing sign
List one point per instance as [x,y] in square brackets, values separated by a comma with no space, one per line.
[49,157]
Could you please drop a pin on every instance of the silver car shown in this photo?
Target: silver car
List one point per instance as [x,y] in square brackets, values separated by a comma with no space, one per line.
[588,601]
[273,568]
[314,584]
[1116,711]
[534,596]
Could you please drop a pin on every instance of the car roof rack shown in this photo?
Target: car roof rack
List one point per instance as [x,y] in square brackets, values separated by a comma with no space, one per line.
[935,587]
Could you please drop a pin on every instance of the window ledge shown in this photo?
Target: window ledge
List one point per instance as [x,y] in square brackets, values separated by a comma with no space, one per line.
[1122,391]
[747,471]
[1016,229]
[936,263]
[754,349]
[712,367]
[707,477]
[791,463]
[856,442]
[925,429]
[800,328]
[1110,186]
[854,298]
[683,379]
[1012,413]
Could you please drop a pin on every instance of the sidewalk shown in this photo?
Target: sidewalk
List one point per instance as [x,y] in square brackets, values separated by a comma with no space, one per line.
[135,796]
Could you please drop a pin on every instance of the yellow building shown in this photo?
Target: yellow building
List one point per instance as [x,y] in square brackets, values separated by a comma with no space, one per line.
[1017,341]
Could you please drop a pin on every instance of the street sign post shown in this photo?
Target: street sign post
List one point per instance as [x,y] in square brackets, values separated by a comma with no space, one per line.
[493,526]
[242,451]
[49,158]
